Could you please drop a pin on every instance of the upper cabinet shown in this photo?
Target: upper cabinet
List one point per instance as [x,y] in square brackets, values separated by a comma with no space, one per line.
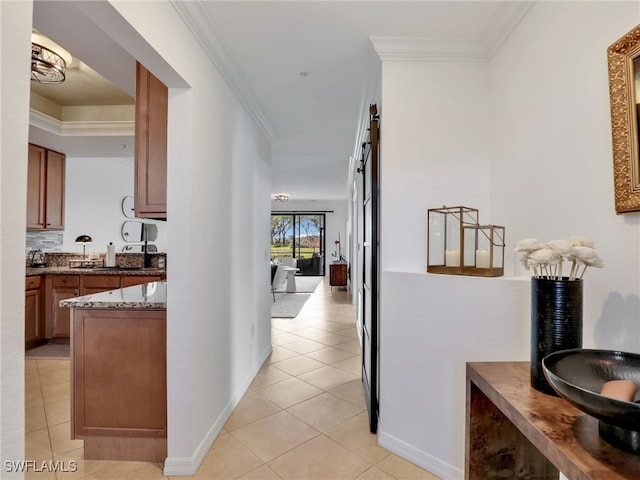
[45,189]
[152,101]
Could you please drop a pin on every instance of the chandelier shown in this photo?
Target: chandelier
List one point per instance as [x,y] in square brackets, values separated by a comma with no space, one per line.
[46,65]
[281,197]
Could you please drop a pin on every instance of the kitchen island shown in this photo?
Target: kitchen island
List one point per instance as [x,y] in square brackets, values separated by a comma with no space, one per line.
[118,373]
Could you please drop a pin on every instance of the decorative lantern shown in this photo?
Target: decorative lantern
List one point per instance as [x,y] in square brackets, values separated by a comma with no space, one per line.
[446,248]
[484,250]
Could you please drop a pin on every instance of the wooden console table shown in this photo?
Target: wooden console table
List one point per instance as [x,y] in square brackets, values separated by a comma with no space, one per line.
[513,431]
[338,275]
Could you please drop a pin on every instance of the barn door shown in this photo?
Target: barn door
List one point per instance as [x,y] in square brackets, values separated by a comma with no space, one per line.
[369,242]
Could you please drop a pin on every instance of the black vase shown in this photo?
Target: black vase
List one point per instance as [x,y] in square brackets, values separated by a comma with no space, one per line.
[556,323]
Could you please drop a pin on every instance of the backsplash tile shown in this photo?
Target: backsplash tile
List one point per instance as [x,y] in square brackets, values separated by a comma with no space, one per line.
[47,241]
[59,259]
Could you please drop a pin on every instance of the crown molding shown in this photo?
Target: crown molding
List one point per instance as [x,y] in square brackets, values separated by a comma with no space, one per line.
[198,21]
[81,129]
[436,49]
[428,49]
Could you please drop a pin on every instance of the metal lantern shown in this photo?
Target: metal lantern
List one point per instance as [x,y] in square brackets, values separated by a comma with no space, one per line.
[446,248]
[484,252]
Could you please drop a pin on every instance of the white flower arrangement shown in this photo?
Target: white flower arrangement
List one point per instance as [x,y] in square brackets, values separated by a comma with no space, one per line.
[547,259]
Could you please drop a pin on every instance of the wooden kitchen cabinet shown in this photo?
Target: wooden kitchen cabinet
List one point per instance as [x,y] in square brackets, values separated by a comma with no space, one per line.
[119,384]
[60,287]
[150,187]
[45,189]
[33,316]
[98,283]
[131,280]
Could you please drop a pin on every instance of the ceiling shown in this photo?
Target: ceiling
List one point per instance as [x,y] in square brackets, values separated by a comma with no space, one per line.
[308,66]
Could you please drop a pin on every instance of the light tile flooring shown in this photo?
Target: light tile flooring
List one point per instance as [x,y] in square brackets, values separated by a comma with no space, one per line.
[303,417]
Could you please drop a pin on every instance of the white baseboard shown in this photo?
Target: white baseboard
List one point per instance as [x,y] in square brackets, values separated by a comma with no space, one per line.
[187,466]
[420,458]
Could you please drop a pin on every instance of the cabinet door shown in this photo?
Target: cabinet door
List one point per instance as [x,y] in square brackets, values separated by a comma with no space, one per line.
[60,287]
[55,191]
[36,174]
[119,382]
[61,326]
[131,280]
[152,100]
[45,189]
[33,315]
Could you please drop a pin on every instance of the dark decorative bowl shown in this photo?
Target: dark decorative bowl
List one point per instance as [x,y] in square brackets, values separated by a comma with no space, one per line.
[578,375]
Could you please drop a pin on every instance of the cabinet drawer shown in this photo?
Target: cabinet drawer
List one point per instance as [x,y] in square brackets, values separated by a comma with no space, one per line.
[108,282]
[32,283]
[132,280]
[65,280]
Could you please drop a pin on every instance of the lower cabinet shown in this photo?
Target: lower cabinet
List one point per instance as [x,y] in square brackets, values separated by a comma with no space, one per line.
[60,287]
[33,314]
[119,384]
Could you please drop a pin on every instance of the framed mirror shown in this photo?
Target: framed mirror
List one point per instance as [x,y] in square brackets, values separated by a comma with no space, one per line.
[134,231]
[624,91]
[127,207]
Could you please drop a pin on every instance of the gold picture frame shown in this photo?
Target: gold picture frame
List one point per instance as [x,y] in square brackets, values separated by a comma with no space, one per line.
[624,74]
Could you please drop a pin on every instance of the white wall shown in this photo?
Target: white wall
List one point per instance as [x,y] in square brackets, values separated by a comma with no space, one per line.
[217,233]
[94,189]
[15,38]
[434,152]
[526,138]
[552,167]
[431,326]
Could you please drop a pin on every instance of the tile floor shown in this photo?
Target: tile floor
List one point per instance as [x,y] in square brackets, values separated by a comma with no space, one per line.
[303,417]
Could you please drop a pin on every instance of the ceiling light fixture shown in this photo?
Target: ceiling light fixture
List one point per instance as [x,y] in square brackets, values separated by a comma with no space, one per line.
[281,197]
[46,65]
[304,74]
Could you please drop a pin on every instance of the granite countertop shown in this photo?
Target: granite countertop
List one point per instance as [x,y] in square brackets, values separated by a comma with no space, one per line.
[32,271]
[151,296]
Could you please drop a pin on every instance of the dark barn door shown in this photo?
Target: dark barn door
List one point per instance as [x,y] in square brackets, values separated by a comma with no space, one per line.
[369,310]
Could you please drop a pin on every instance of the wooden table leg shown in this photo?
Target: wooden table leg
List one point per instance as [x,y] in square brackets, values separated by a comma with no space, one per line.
[495,448]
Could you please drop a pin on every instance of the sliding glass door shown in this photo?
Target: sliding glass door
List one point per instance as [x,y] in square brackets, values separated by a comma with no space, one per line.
[301,236]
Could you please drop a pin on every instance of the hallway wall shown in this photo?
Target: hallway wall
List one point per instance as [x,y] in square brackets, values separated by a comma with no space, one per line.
[15,30]
[434,152]
[218,190]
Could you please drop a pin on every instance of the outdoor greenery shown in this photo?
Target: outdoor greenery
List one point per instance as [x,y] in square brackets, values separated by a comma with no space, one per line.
[307,235]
